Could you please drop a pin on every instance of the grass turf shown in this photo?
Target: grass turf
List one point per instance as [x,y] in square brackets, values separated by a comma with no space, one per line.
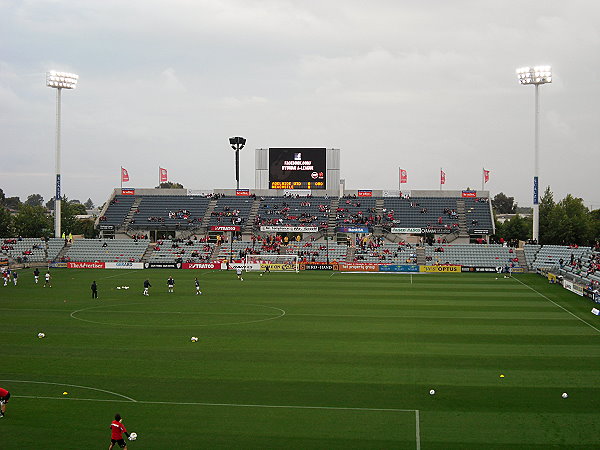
[310,360]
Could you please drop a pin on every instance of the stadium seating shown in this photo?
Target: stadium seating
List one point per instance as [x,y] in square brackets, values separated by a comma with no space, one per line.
[472,255]
[421,212]
[307,251]
[549,256]
[387,253]
[55,245]
[291,211]
[24,249]
[117,210]
[356,211]
[477,215]
[117,250]
[172,211]
[187,251]
[231,211]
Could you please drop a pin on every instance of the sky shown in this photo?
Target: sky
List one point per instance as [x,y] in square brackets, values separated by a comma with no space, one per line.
[418,85]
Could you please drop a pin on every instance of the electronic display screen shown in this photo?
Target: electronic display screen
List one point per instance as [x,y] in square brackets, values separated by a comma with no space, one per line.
[297,168]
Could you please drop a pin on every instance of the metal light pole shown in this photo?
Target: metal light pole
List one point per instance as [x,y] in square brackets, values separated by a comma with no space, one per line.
[535,75]
[237,143]
[59,81]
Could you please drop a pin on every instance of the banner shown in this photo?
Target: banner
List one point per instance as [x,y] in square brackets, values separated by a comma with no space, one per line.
[365,193]
[535,191]
[3,262]
[417,230]
[439,269]
[486,175]
[124,265]
[478,269]
[358,229]
[278,267]
[124,175]
[242,192]
[469,194]
[127,191]
[107,227]
[162,265]
[480,231]
[163,175]
[201,266]
[317,266]
[283,229]
[225,228]
[398,268]
[359,267]
[403,176]
[414,230]
[85,265]
[442,177]
[58,265]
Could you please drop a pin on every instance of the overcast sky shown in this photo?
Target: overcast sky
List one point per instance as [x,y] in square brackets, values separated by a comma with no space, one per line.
[392,83]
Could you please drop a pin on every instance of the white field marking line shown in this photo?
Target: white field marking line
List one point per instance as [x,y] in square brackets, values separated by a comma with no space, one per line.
[283,313]
[422,317]
[235,405]
[76,386]
[418,429]
[564,309]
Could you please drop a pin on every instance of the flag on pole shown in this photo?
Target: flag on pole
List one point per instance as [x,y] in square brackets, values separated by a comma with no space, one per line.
[486,176]
[163,175]
[124,175]
[442,177]
[403,176]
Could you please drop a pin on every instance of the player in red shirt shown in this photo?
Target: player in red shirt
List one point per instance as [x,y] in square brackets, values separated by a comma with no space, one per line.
[4,396]
[116,433]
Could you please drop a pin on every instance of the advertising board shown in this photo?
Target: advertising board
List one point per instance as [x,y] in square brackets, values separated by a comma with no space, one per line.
[124,265]
[405,268]
[478,269]
[359,267]
[127,191]
[282,229]
[201,266]
[86,265]
[365,193]
[439,269]
[357,229]
[225,228]
[162,265]
[297,168]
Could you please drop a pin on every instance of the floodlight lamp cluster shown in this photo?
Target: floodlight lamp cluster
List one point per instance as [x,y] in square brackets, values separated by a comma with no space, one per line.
[535,75]
[237,143]
[61,80]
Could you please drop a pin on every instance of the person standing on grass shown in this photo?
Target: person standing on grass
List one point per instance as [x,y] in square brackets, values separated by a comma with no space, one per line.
[117,429]
[197,283]
[239,273]
[146,286]
[15,277]
[47,282]
[4,397]
[171,284]
[94,289]
[36,275]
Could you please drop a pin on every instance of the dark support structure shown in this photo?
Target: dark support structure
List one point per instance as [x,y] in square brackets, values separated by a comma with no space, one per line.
[237,143]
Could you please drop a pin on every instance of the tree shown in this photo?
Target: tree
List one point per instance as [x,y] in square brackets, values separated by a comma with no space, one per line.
[89,204]
[516,228]
[5,222]
[35,200]
[547,205]
[50,204]
[32,221]
[503,204]
[2,197]
[169,185]
[12,203]
[575,226]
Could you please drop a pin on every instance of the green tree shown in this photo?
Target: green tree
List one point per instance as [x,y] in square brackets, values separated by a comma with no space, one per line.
[89,204]
[87,228]
[547,206]
[575,226]
[503,204]
[2,197]
[50,204]
[169,185]
[6,222]
[32,221]
[12,203]
[516,228]
[35,200]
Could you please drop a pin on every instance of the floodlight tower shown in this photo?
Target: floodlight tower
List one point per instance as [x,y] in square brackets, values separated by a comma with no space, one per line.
[59,81]
[535,75]
[237,143]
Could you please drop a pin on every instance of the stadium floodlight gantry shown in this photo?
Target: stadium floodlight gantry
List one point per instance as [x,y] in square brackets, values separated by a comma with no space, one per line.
[237,143]
[59,81]
[535,75]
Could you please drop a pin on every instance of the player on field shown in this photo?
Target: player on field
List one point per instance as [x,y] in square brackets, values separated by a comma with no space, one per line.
[146,286]
[15,277]
[48,278]
[4,397]
[197,283]
[239,273]
[117,429]
[36,275]
[6,276]
[94,287]
[171,284]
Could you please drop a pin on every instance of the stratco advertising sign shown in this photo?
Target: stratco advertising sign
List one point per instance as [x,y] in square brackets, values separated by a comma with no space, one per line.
[225,228]
[196,266]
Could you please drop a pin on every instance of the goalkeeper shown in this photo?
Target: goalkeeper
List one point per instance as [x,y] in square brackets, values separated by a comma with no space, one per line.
[117,429]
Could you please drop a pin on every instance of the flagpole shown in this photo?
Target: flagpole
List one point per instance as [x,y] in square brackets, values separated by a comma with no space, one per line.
[121,175]
[482,178]
[441,170]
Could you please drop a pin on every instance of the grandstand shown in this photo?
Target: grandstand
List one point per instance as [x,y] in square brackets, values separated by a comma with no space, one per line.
[24,249]
[472,255]
[106,250]
[168,251]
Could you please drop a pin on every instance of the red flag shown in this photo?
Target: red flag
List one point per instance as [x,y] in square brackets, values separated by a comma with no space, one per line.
[124,175]
[486,175]
[163,175]
[403,176]
[442,177]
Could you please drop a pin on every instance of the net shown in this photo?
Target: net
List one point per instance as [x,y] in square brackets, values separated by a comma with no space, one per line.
[274,263]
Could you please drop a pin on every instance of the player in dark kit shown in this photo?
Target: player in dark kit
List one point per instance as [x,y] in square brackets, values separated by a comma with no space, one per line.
[117,429]
[146,286]
[171,284]
[197,283]
[36,275]
[4,397]
[94,290]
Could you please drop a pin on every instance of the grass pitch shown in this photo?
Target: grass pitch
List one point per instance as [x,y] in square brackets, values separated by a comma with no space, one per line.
[309,360]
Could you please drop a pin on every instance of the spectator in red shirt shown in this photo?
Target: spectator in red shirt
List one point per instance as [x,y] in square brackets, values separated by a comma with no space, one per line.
[116,433]
[4,397]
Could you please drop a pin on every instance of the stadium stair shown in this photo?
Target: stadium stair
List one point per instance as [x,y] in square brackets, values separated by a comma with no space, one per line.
[350,254]
[63,252]
[209,211]
[131,212]
[421,259]
[148,253]
[252,216]
[332,222]
[522,258]
[462,220]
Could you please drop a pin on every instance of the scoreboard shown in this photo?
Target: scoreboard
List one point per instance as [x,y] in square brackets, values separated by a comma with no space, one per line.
[297,168]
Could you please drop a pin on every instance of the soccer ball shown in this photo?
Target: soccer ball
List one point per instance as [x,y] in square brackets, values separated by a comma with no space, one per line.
[194,339]
[41,335]
[565,395]
[432,392]
[261,274]
[132,436]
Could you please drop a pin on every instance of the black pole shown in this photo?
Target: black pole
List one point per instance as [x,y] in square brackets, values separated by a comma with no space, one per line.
[237,165]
